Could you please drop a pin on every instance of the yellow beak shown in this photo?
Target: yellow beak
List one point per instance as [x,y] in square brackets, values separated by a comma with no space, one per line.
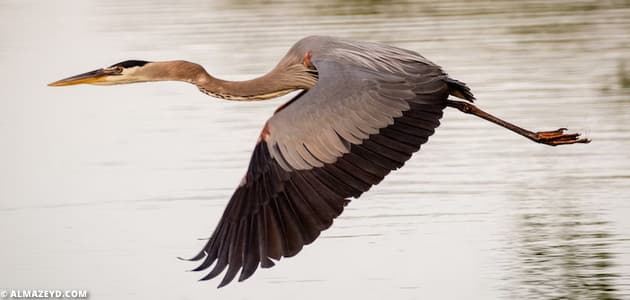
[89,77]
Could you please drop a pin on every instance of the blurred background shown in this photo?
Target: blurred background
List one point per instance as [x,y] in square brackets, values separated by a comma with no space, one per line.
[101,188]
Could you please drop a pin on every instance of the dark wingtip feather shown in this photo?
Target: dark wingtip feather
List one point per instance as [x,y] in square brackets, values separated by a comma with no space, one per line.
[229,276]
[197,257]
[218,268]
[202,267]
[267,263]
[459,89]
[247,272]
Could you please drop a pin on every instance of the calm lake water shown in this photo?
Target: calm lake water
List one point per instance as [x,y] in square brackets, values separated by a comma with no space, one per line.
[101,188]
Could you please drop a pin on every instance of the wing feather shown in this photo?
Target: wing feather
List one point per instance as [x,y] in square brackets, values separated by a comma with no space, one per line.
[365,117]
[250,258]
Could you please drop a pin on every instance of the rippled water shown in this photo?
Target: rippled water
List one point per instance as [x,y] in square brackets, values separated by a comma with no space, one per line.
[102,187]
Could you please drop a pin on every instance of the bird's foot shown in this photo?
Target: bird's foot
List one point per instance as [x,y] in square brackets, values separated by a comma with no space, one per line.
[559,137]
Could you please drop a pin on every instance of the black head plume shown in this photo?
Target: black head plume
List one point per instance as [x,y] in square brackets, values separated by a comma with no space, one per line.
[130,63]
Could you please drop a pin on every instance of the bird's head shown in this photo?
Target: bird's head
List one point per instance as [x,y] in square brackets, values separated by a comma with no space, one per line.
[128,71]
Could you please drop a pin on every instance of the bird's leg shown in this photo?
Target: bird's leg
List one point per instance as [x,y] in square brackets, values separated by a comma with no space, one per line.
[552,138]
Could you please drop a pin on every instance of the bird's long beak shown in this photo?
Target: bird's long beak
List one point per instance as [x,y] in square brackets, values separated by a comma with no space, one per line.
[89,77]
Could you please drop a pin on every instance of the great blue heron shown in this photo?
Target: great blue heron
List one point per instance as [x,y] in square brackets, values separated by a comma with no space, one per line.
[363,110]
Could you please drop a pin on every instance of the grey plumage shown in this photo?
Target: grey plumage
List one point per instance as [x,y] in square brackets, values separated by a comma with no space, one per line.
[361,88]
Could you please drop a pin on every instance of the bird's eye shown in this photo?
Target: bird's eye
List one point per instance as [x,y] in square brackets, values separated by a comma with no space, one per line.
[115,70]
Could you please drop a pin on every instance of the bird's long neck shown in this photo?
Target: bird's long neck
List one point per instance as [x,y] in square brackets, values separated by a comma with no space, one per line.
[281,80]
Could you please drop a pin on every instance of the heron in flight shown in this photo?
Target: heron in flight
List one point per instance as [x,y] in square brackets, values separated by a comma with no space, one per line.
[363,110]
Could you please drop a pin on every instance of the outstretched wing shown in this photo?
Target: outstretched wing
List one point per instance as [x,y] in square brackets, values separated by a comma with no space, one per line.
[330,143]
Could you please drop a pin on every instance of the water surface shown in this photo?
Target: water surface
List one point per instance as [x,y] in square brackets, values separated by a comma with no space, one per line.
[102,187]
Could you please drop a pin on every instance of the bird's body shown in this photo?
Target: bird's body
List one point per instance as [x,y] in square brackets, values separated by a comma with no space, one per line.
[364,110]
[360,121]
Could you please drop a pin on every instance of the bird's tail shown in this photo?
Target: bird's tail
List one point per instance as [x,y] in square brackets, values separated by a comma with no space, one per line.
[459,89]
